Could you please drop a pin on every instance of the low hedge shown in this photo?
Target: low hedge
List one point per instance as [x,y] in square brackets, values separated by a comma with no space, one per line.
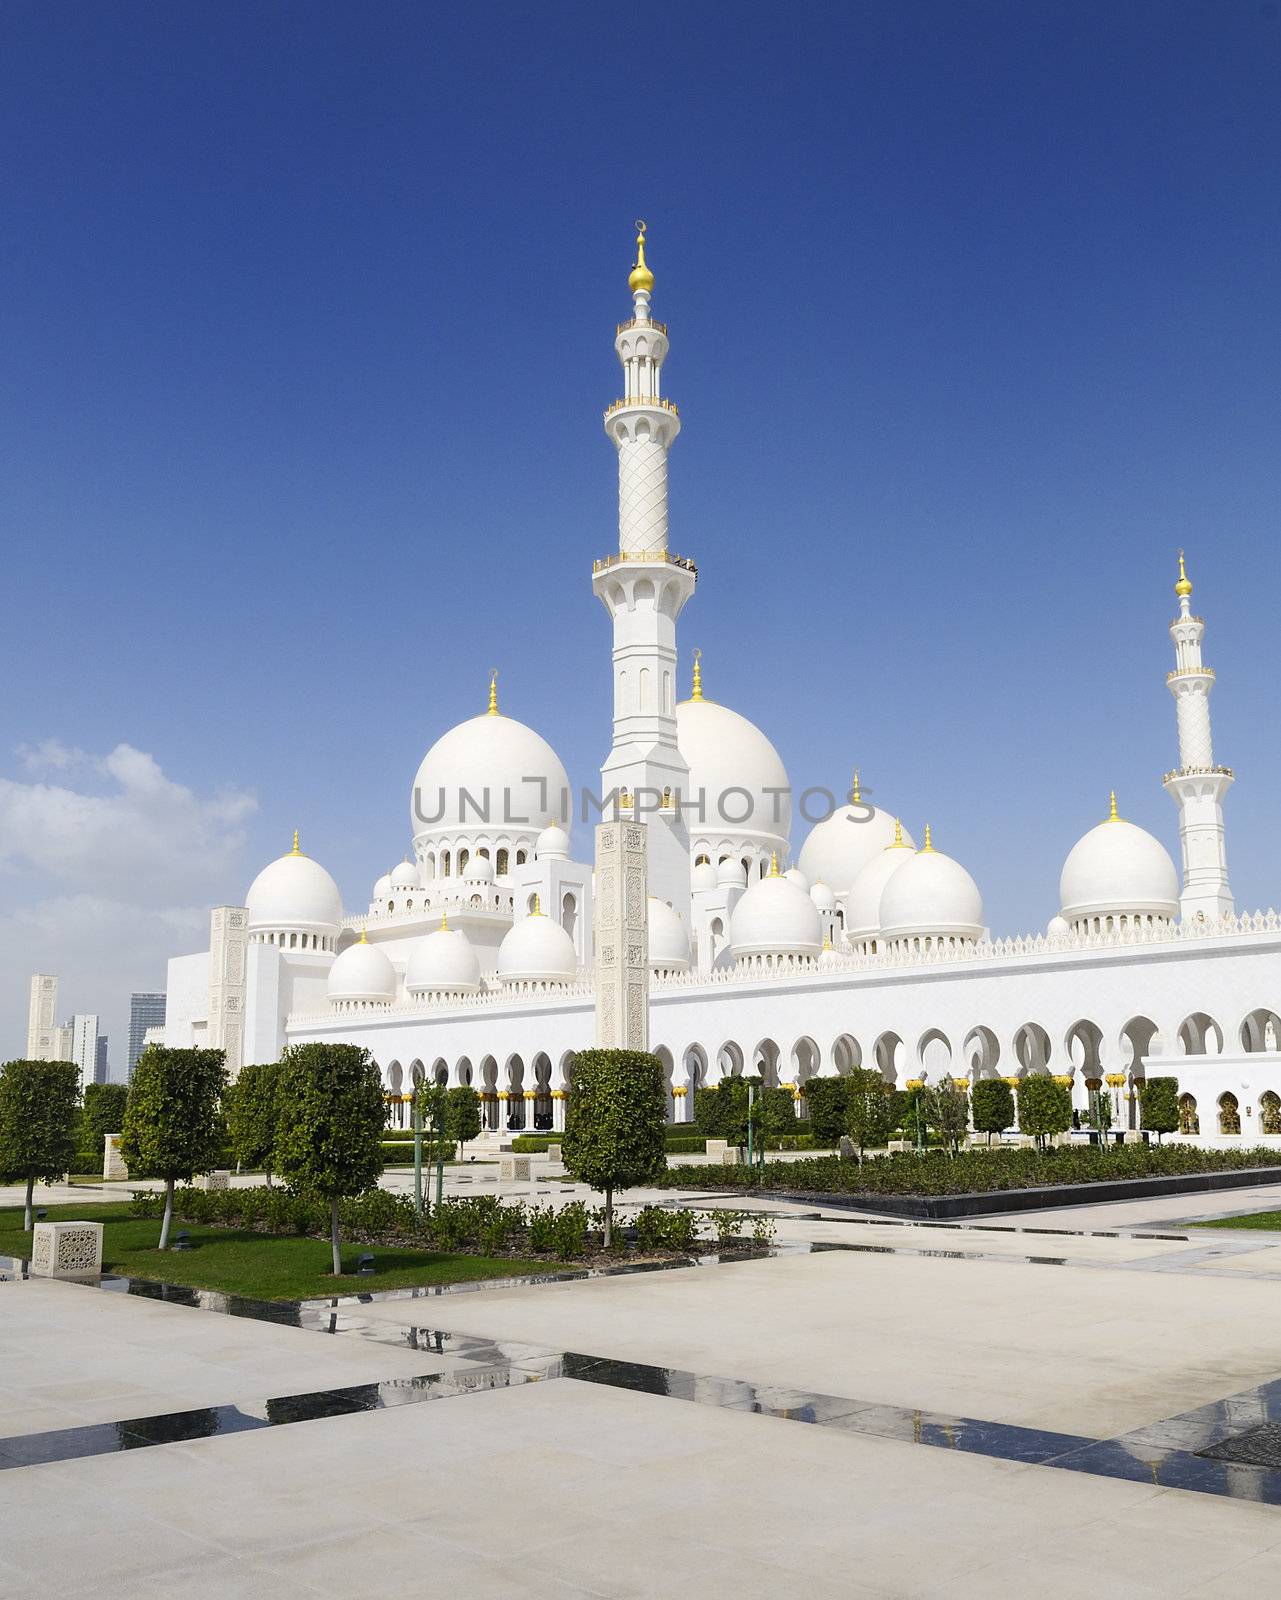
[480,1224]
[977,1172]
[535,1144]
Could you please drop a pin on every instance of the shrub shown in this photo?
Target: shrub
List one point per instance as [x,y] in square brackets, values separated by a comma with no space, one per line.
[541,1221]
[1159,1105]
[1045,1107]
[614,1133]
[38,1101]
[571,1228]
[104,1113]
[686,1144]
[462,1115]
[992,1106]
[826,1099]
[867,1110]
[252,1106]
[172,1124]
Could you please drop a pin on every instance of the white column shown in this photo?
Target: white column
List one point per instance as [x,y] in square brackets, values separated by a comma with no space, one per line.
[228,939]
[621,937]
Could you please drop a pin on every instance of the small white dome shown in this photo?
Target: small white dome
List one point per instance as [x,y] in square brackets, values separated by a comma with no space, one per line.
[703,877]
[668,938]
[931,895]
[294,892]
[838,848]
[537,950]
[362,972]
[383,887]
[479,869]
[774,917]
[1058,927]
[796,876]
[822,896]
[1118,869]
[863,903]
[442,962]
[404,875]
[552,844]
[730,873]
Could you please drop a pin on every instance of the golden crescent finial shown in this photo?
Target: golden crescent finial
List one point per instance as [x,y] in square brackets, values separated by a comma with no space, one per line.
[929,842]
[492,710]
[1112,816]
[696,693]
[538,906]
[295,851]
[898,834]
[1183,588]
[363,939]
[444,923]
[773,864]
[856,794]
[641,279]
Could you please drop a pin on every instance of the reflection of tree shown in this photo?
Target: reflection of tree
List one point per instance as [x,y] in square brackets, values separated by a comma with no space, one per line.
[617,1374]
[174,1427]
[325,1403]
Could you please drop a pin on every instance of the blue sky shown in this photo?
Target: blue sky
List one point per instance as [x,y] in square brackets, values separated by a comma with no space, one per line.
[307,317]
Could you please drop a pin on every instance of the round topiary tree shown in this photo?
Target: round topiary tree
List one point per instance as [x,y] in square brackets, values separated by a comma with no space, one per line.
[38,1105]
[1045,1107]
[330,1127]
[104,1113]
[462,1115]
[252,1105]
[614,1127]
[826,1100]
[867,1109]
[1159,1105]
[173,1126]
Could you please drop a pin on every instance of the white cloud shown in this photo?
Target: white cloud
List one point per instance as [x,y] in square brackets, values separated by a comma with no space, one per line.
[105,873]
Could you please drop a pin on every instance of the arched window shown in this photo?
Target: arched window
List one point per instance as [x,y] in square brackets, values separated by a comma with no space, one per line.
[444,863]
[463,858]
[1229,1114]
[1270,1112]
[1189,1122]
[520,858]
[500,865]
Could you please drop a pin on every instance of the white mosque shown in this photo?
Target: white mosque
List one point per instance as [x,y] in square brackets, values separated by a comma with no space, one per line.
[473,960]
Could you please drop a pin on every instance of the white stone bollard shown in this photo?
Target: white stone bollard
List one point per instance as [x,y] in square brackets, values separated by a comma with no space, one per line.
[214,1180]
[716,1149]
[66,1250]
[513,1169]
[113,1163]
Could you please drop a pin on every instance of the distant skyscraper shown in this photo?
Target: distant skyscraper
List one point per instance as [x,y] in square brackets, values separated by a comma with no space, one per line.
[42,1030]
[100,1068]
[84,1046]
[145,1011]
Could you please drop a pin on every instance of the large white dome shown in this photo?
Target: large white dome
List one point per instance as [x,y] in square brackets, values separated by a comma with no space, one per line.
[294,893]
[494,766]
[775,917]
[1118,869]
[863,903]
[726,754]
[932,896]
[442,962]
[537,950]
[668,938]
[838,848]
[362,973]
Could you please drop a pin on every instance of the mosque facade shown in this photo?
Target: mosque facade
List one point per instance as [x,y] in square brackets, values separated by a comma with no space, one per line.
[472,961]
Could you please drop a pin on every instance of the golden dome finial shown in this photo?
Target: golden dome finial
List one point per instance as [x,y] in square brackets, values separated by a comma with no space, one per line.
[696,693]
[363,939]
[929,842]
[773,864]
[493,693]
[827,941]
[295,851]
[856,794]
[538,906]
[641,279]
[898,834]
[444,923]
[1112,816]
[1184,586]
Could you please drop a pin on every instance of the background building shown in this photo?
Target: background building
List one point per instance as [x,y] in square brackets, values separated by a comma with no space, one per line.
[145,1011]
[42,1031]
[84,1046]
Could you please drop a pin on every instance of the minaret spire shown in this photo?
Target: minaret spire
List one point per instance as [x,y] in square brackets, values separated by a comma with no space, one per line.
[1196,785]
[644,588]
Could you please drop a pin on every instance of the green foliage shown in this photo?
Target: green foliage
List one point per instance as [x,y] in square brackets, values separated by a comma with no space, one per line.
[172,1124]
[433,1107]
[1045,1107]
[462,1115]
[992,1105]
[332,1114]
[827,1099]
[775,1112]
[38,1103]
[534,1144]
[972,1172]
[686,1144]
[947,1112]
[1100,1112]
[1159,1105]
[660,1229]
[104,1113]
[614,1129]
[251,1105]
[867,1110]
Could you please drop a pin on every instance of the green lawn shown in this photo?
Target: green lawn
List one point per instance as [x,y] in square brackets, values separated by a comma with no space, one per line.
[259,1265]
[1256,1219]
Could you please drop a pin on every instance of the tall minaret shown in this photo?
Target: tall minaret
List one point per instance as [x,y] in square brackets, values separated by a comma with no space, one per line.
[1197,786]
[643,588]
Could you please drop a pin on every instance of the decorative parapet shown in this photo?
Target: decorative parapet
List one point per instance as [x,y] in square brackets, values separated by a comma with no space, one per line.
[603,563]
[656,403]
[1199,772]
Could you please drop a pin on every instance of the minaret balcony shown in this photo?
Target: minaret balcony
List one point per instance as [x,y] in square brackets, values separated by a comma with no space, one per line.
[642,322]
[655,403]
[1189,672]
[660,557]
[1198,772]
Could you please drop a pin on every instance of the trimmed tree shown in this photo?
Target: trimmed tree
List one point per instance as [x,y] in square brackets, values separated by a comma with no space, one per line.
[774,1115]
[462,1115]
[252,1106]
[614,1129]
[867,1109]
[1045,1107]
[825,1099]
[38,1105]
[173,1126]
[330,1127]
[947,1109]
[992,1106]
[104,1113]
[1159,1105]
